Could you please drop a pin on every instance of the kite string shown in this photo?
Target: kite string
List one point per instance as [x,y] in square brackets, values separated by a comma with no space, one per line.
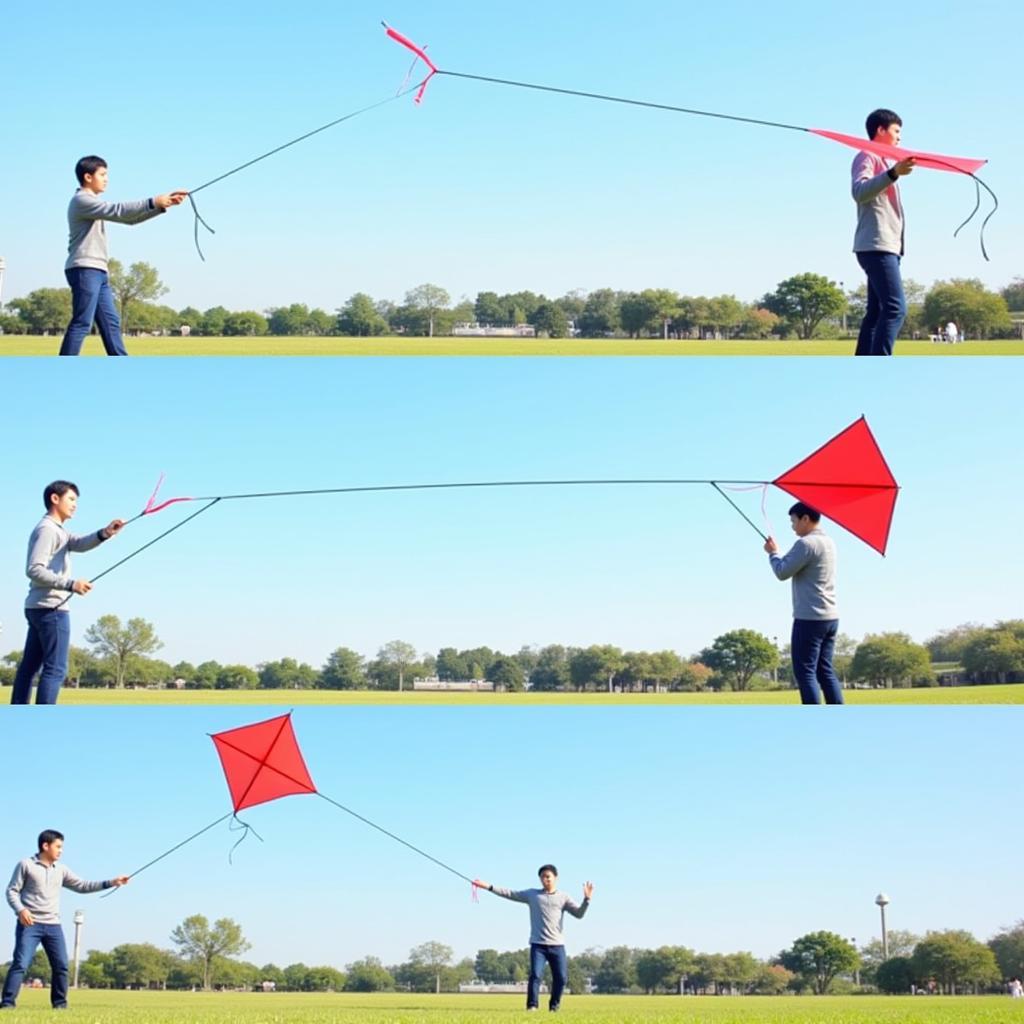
[236,824]
[167,853]
[738,509]
[763,488]
[398,839]
[723,117]
[277,149]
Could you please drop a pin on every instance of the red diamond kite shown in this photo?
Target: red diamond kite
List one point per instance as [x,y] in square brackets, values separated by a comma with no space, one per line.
[848,480]
[262,762]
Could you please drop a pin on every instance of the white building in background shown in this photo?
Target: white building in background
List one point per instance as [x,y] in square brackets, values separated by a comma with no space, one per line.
[488,331]
[455,685]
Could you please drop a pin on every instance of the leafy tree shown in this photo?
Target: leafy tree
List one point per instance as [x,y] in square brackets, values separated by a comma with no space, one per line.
[295,977]
[552,669]
[594,666]
[772,980]
[617,972]
[44,310]
[399,654]
[637,313]
[428,299]
[289,321]
[139,283]
[978,312]
[201,943]
[237,677]
[120,644]
[325,979]
[206,676]
[247,324]
[726,314]
[451,665]
[488,309]
[1008,947]
[895,975]
[1013,295]
[949,644]
[213,320]
[506,672]
[192,318]
[551,320]
[360,318]
[368,975]
[287,674]
[738,655]
[891,659]
[663,968]
[818,957]
[901,943]
[343,670]
[434,957]
[998,650]
[600,316]
[139,966]
[759,323]
[955,959]
[804,301]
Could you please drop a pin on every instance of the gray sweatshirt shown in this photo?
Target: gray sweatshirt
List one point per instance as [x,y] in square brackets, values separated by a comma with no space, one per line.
[36,886]
[87,234]
[879,208]
[546,912]
[49,562]
[811,564]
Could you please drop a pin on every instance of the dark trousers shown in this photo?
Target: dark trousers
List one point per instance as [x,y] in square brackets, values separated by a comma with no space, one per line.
[27,939]
[813,644]
[555,956]
[46,648]
[92,299]
[887,307]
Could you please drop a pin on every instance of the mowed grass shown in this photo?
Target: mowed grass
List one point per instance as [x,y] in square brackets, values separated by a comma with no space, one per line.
[99,1007]
[23,345]
[1008,694]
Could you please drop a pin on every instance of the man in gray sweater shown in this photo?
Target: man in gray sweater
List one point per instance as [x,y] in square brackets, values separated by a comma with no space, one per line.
[86,266]
[48,568]
[34,895]
[878,242]
[547,909]
[811,564]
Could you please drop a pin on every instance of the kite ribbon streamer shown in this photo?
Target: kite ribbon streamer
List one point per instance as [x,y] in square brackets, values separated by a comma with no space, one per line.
[419,51]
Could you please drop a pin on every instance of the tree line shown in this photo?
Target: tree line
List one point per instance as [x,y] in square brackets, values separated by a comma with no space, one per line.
[740,660]
[206,956]
[805,306]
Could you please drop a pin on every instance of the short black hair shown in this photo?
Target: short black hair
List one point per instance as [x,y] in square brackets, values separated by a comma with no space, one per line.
[547,867]
[59,488]
[881,118]
[48,835]
[800,510]
[88,165]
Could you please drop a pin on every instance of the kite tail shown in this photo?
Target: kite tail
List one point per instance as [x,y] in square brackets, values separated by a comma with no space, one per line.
[397,839]
[236,824]
[978,186]
[195,225]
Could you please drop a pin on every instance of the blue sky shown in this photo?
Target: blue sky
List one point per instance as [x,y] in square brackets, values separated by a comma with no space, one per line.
[493,188]
[641,568]
[719,830]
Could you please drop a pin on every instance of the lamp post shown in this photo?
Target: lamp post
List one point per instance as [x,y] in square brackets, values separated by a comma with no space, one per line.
[775,669]
[79,921]
[3,267]
[882,902]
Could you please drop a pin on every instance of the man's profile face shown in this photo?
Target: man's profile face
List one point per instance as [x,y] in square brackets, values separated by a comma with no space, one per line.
[548,879]
[802,525]
[96,182]
[891,135]
[52,850]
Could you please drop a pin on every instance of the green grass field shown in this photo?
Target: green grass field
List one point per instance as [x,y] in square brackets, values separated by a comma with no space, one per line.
[99,1007]
[22,345]
[1008,694]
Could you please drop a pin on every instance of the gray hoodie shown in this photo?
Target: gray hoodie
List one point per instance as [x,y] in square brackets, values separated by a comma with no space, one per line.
[879,208]
[811,564]
[87,234]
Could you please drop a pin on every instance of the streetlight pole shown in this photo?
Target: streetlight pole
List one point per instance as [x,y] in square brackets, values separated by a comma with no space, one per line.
[3,267]
[775,669]
[882,902]
[79,921]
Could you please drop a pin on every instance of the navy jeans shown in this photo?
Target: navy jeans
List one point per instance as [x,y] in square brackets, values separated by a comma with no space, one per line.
[813,644]
[46,648]
[555,956]
[887,307]
[27,939]
[91,299]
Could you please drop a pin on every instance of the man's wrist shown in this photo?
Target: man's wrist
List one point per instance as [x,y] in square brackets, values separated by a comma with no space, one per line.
[892,173]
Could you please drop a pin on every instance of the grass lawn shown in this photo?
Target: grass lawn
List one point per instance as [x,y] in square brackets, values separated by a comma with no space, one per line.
[1007,694]
[21,345]
[100,1007]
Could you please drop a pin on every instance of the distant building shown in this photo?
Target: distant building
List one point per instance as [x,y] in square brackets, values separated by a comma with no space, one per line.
[490,331]
[456,685]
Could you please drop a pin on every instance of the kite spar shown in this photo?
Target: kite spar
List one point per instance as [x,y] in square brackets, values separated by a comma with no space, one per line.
[847,480]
